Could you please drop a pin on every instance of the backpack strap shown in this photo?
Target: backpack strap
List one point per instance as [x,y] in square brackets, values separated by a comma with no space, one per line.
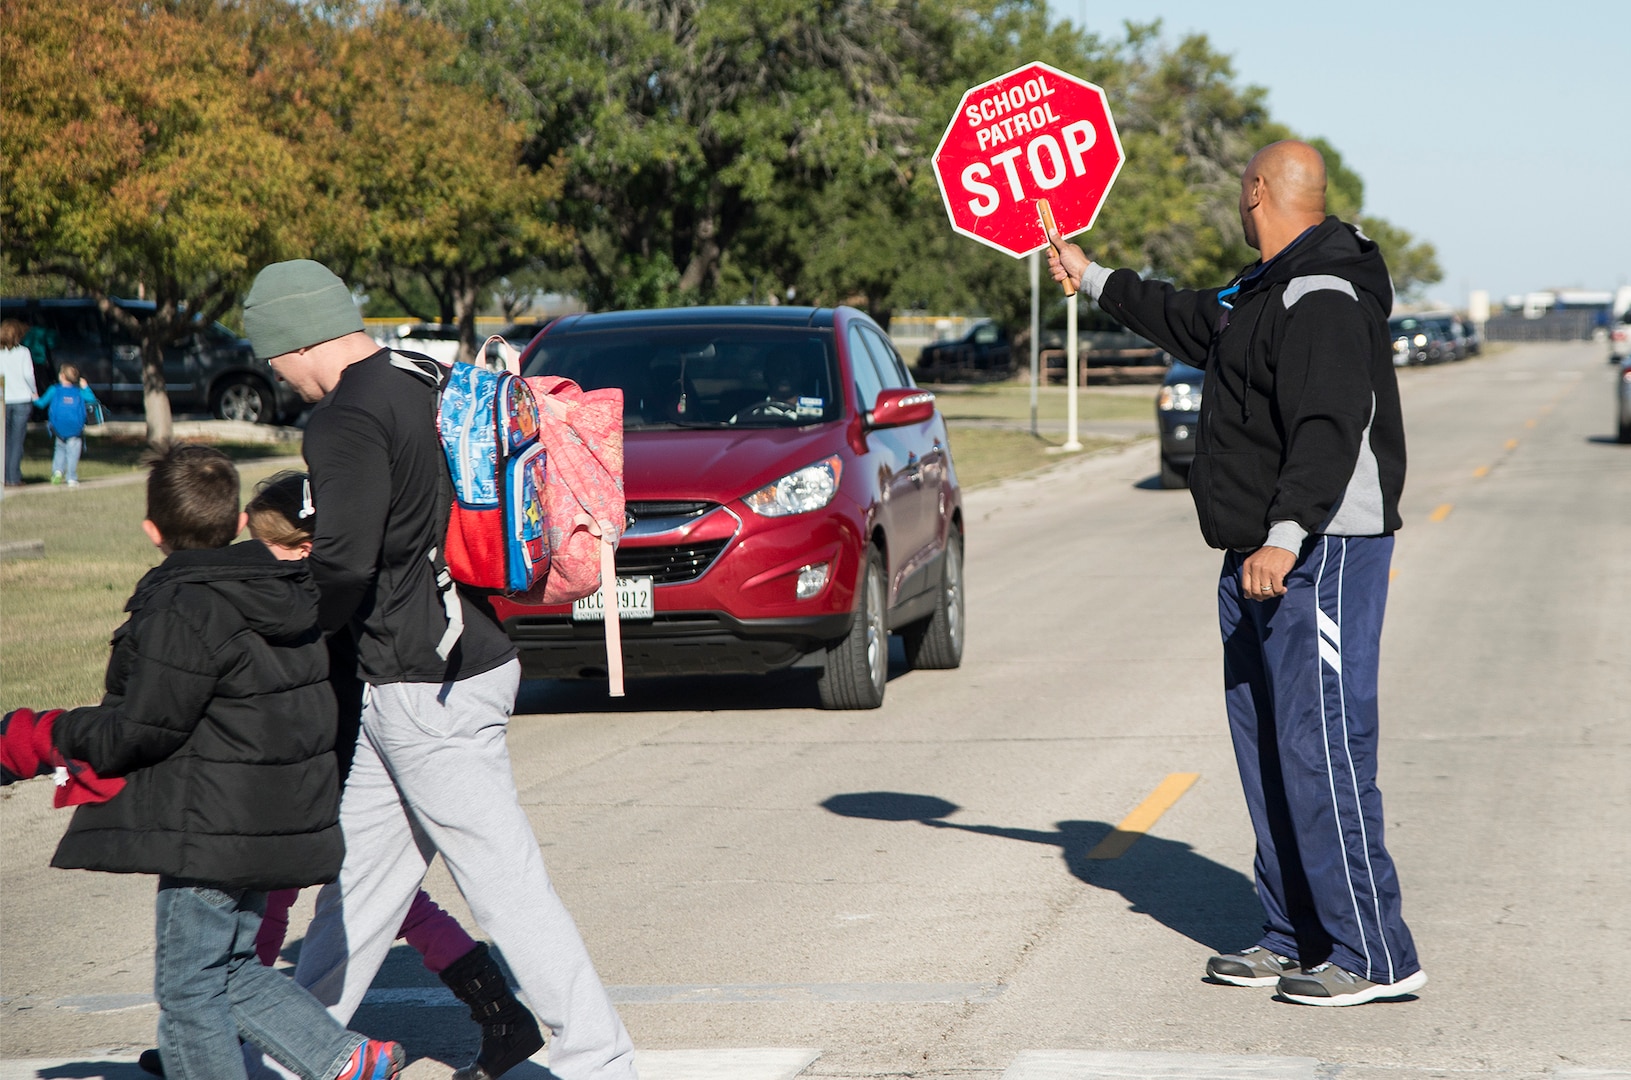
[428,368]
[614,629]
[509,353]
[436,374]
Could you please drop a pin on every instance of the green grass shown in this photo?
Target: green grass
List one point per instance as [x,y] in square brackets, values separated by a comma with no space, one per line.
[107,455]
[58,613]
[986,455]
[1012,401]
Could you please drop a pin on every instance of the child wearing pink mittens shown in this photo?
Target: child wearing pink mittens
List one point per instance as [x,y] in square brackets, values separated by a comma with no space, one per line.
[282,517]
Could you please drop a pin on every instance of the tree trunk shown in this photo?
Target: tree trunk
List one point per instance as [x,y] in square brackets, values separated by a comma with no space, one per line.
[155,401]
[705,250]
[465,298]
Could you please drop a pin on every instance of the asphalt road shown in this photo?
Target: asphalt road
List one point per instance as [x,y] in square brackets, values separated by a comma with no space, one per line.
[772,890]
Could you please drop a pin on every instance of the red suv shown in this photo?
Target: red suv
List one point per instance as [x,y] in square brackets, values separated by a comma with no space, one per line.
[791,501]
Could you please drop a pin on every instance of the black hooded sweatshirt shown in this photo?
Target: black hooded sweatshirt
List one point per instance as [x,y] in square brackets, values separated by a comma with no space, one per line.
[219,716]
[1300,419]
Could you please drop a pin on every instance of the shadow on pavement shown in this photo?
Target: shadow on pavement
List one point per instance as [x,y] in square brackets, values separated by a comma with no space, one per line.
[790,689]
[93,1070]
[1205,901]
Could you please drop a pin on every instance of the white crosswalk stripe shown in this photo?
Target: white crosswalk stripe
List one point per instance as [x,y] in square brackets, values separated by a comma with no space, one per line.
[787,1063]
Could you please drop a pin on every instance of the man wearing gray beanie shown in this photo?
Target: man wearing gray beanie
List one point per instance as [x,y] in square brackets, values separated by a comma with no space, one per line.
[432,770]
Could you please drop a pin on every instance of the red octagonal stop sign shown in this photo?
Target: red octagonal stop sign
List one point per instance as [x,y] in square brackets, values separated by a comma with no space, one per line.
[1034,133]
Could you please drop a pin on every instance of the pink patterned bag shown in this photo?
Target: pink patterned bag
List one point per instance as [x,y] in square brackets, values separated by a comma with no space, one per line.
[581,432]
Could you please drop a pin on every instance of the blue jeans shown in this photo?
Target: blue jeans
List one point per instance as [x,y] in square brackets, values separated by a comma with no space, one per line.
[65,457]
[16,430]
[211,989]
[1300,675]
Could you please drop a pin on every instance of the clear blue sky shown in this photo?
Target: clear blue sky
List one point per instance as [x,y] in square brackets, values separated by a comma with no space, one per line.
[1499,131]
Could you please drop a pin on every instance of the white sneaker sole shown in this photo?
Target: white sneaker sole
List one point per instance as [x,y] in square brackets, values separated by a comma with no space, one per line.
[1376,992]
[1246,980]
[1243,980]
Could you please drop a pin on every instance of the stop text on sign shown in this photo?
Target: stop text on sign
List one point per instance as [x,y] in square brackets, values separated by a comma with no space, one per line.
[1009,115]
[1036,132]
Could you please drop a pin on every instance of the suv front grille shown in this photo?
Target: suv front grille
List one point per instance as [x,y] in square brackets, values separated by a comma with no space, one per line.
[687,508]
[669,565]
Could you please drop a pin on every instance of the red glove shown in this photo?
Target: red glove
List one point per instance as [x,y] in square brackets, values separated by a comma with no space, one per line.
[26,750]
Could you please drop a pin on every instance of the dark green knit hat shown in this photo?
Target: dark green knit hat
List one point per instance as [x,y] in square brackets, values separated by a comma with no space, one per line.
[295,304]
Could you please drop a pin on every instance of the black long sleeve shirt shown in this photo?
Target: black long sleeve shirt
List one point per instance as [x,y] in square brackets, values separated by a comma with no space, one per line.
[382,492]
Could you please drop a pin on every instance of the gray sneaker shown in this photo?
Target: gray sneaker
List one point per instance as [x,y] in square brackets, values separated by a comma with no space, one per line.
[1255,966]
[1328,984]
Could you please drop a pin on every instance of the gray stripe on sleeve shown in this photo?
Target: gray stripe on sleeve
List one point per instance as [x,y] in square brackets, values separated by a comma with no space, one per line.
[1300,287]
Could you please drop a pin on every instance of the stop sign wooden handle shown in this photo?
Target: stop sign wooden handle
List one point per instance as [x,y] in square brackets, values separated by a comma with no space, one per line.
[1044,213]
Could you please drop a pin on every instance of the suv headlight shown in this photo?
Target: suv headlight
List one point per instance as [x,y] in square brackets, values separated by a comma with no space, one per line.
[799,492]
[1179,397]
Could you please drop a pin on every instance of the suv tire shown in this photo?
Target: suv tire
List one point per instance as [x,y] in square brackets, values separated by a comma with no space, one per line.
[936,643]
[1171,476]
[857,665]
[244,399]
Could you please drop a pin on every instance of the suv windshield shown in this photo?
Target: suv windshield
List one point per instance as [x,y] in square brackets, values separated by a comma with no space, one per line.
[702,377]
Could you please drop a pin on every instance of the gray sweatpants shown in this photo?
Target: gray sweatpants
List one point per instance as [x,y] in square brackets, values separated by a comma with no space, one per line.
[432,775]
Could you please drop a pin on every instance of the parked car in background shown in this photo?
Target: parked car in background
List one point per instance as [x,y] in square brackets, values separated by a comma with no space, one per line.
[1453,330]
[211,369]
[1624,399]
[1619,339]
[1418,341]
[791,501]
[519,334]
[440,341]
[983,353]
[1177,412]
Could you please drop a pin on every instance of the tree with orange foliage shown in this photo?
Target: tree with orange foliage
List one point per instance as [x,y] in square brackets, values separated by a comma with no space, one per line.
[133,159]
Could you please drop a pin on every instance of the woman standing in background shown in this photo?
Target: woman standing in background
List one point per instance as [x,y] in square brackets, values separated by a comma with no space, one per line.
[17,372]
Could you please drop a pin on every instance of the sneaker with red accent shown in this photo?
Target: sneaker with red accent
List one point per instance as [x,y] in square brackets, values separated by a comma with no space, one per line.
[374,1060]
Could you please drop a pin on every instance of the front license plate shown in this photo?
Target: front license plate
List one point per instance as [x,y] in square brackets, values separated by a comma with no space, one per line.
[633,601]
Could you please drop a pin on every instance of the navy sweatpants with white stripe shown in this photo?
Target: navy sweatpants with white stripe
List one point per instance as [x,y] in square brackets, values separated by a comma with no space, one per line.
[1300,679]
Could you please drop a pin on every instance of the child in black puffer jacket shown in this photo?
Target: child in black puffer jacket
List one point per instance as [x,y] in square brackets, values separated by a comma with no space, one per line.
[220,720]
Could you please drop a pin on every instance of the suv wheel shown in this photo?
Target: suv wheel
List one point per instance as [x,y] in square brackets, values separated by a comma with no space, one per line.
[245,399]
[1171,475]
[858,664]
[936,643]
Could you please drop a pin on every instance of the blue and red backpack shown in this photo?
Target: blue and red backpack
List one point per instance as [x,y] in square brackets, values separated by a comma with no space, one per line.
[497,534]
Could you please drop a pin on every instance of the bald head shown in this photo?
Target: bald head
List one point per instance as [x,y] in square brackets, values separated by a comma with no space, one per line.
[1282,192]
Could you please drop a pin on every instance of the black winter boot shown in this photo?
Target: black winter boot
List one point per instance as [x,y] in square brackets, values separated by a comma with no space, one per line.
[509,1034]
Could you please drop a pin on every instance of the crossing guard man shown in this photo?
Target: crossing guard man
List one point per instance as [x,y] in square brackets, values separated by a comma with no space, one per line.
[1299,465]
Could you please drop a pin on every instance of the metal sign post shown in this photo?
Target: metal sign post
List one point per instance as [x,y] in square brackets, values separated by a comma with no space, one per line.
[1035,259]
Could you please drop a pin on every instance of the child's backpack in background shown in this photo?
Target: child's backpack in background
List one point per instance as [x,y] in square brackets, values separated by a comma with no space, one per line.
[66,414]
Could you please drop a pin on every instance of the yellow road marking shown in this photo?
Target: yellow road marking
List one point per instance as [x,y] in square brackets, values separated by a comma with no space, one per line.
[1148,812]
[1528,423]
[1512,444]
[1441,513]
[1393,573]
[1481,471]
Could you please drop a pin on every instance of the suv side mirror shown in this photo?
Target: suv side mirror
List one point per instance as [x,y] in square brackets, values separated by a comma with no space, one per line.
[901,406]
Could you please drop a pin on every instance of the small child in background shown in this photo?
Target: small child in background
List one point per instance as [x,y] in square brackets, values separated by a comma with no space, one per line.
[65,405]
[219,721]
[282,517]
